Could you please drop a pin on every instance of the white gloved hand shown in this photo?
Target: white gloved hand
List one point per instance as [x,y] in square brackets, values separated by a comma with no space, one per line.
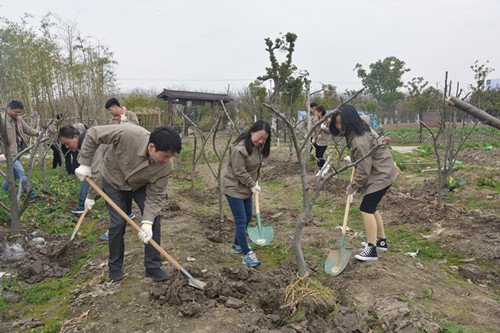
[324,127]
[83,171]
[255,188]
[347,159]
[89,203]
[123,118]
[2,158]
[146,232]
[351,191]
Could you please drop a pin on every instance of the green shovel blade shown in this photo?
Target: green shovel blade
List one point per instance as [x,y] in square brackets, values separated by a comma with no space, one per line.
[261,234]
[337,259]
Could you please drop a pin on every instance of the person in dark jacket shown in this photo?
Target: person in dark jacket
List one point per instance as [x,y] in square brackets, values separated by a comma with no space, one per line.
[374,174]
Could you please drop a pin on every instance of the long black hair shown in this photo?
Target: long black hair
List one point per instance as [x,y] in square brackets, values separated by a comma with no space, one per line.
[246,136]
[351,121]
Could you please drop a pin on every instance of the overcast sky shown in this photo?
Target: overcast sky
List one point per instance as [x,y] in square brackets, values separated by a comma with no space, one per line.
[208,45]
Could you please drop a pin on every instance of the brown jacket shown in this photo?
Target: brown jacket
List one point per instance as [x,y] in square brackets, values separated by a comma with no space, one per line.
[127,165]
[242,171]
[324,137]
[131,117]
[52,133]
[375,172]
[23,129]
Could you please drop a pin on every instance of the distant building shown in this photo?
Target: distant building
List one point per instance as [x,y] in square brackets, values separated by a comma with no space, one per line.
[493,84]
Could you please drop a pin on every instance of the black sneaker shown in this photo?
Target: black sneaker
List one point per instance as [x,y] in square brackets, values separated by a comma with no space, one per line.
[368,254]
[381,244]
[157,274]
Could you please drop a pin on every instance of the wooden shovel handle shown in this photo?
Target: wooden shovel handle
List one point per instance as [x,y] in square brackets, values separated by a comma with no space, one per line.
[257,206]
[348,204]
[132,223]
[79,222]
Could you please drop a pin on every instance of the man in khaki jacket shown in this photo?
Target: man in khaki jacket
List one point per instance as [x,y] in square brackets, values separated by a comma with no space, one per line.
[137,166]
[16,130]
[120,113]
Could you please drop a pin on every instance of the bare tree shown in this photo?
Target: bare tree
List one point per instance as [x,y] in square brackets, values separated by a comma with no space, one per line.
[453,141]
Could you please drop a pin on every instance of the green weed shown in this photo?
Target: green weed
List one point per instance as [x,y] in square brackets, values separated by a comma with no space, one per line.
[42,293]
[4,309]
[49,328]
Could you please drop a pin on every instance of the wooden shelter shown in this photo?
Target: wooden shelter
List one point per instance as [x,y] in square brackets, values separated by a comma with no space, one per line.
[196,98]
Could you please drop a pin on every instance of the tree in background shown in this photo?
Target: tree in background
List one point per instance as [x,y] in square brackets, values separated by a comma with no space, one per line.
[53,69]
[421,97]
[480,96]
[280,73]
[326,96]
[383,82]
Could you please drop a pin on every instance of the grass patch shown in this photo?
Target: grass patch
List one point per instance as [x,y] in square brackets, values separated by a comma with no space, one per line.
[49,328]
[42,293]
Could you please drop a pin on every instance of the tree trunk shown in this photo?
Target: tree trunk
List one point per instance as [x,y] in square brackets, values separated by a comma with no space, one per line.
[475,112]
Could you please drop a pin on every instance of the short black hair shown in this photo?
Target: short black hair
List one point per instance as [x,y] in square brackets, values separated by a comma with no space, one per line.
[312,105]
[110,102]
[15,105]
[68,132]
[59,116]
[166,138]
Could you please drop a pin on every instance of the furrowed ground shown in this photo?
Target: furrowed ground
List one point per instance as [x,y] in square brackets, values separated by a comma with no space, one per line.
[441,271]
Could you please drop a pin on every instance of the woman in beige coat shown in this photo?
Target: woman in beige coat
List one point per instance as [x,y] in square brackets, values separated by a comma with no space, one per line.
[240,181]
[374,174]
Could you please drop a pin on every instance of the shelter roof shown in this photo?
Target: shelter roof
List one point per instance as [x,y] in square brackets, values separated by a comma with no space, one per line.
[193,96]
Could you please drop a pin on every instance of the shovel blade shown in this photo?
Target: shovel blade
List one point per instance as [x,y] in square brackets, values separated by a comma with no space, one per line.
[337,261]
[197,283]
[263,236]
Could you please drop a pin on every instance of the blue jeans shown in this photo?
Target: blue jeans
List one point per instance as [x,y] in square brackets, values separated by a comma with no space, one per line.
[242,212]
[84,190]
[18,173]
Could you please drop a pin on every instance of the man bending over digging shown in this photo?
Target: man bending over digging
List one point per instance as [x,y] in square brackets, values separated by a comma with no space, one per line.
[137,165]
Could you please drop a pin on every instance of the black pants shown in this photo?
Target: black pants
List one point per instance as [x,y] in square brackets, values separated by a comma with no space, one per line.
[370,201]
[320,153]
[70,159]
[117,224]
[57,156]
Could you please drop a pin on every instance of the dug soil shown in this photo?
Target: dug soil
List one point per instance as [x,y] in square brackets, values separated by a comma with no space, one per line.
[441,270]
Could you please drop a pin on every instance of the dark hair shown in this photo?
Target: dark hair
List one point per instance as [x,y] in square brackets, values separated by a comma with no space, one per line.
[351,121]
[259,125]
[110,102]
[59,116]
[15,105]
[68,132]
[312,105]
[166,138]
[321,109]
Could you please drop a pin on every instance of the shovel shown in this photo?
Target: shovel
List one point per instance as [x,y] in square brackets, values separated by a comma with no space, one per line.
[77,226]
[338,258]
[192,281]
[261,234]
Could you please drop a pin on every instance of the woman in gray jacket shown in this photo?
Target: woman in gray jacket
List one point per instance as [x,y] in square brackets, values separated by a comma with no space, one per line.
[374,174]
[240,181]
